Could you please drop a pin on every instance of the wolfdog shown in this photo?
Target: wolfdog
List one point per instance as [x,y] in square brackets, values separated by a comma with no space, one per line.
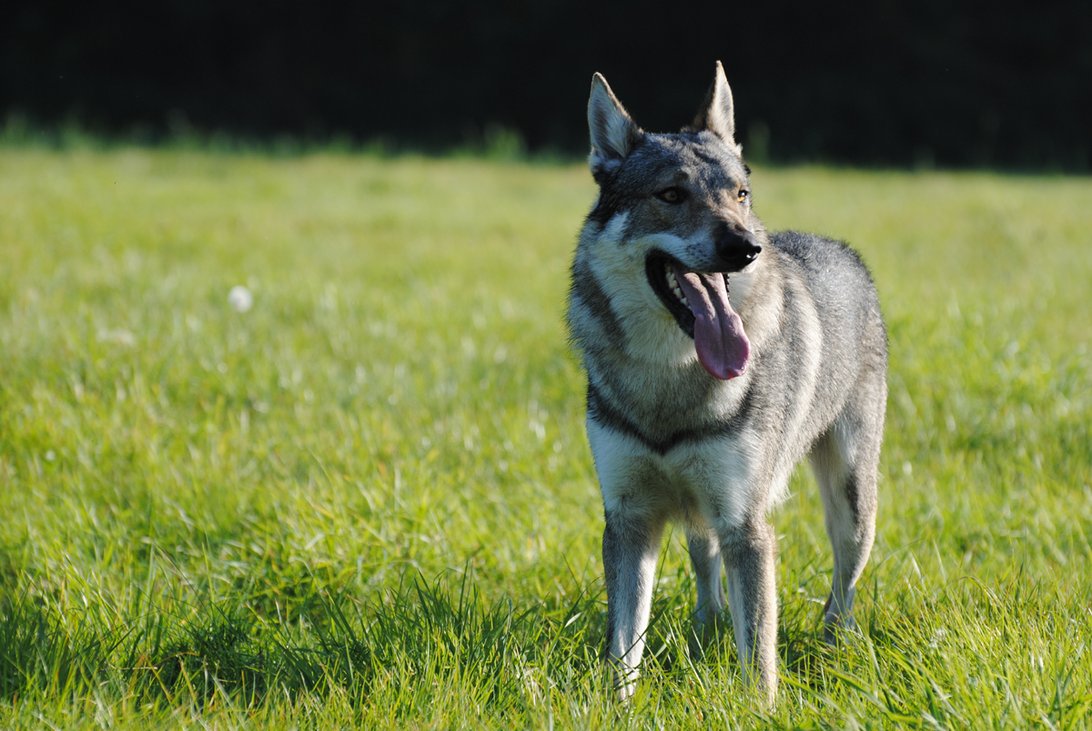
[717,356]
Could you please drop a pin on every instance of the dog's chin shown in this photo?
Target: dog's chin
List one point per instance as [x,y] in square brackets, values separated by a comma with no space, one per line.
[660,269]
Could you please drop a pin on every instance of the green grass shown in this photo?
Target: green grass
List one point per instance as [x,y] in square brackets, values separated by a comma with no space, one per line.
[368,500]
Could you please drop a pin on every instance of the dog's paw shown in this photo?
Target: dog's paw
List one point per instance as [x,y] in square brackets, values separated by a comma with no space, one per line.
[837,627]
[624,682]
[705,633]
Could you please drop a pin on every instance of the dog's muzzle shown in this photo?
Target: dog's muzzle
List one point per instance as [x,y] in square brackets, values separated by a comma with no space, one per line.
[699,303]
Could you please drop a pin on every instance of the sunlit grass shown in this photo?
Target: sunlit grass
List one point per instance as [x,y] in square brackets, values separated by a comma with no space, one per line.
[368,499]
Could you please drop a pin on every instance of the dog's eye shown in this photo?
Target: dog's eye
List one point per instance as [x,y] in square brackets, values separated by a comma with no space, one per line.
[743,196]
[672,195]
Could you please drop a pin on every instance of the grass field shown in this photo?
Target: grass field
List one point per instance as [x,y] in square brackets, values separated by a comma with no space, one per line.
[368,500]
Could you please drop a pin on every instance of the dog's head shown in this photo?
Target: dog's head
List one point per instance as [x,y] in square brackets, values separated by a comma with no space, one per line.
[672,222]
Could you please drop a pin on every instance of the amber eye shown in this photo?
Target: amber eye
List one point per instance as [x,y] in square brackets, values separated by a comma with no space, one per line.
[743,196]
[672,195]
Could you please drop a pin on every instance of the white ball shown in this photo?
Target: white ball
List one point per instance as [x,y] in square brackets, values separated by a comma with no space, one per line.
[240,298]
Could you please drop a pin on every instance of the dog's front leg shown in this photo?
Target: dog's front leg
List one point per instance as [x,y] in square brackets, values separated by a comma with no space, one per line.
[749,553]
[630,545]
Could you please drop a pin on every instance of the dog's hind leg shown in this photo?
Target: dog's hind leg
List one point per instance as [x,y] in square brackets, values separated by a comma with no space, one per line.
[845,461]
[705,557]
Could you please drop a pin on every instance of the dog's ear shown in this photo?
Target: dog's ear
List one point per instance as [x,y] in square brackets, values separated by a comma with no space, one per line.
[717,113]
[613,133]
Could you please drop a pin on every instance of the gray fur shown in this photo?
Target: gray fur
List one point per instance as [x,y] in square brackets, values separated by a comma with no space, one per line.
[671,441]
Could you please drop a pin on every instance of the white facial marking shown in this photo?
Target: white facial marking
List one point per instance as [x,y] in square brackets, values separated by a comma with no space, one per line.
[619,266]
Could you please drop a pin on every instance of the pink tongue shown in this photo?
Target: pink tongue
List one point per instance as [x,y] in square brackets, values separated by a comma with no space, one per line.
[722,346]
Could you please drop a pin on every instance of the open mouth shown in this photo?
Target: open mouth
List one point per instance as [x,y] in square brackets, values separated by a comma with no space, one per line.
[661,270]
[699,303]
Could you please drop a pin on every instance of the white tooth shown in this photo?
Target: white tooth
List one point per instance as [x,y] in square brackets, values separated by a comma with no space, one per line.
[673,284]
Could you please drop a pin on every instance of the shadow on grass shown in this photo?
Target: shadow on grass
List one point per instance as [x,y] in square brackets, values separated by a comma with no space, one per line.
[430,632]
[408,645]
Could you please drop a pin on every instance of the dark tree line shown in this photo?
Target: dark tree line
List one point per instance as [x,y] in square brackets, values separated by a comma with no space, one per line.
[884,83]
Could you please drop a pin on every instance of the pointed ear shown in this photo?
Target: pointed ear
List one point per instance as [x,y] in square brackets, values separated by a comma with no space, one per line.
[717,114]
[613,132]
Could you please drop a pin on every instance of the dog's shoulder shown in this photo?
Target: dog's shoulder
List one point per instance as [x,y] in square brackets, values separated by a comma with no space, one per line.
[817,253]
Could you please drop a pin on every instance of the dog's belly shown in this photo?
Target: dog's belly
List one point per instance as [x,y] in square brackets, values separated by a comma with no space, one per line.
[709,480]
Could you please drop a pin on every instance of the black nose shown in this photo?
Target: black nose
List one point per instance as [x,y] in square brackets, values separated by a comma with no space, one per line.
[736,247]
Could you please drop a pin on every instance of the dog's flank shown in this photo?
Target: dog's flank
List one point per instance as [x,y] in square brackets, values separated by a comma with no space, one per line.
[717,357]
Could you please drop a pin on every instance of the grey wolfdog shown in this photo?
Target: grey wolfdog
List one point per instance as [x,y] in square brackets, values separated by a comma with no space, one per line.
[717,356]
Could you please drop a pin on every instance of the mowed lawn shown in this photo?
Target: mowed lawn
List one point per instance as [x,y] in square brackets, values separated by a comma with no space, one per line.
[367,500]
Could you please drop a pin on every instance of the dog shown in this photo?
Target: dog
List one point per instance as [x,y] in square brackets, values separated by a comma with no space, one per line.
[717,356]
